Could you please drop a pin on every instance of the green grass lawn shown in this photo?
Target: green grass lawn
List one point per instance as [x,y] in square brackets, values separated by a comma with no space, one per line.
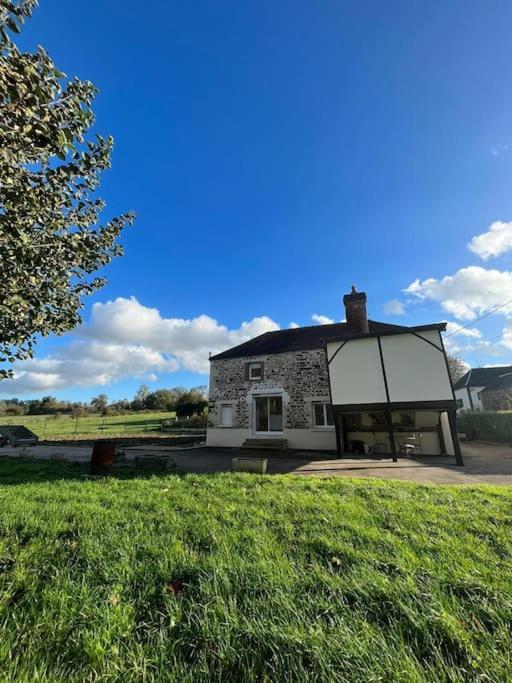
[246,578]
[95,426]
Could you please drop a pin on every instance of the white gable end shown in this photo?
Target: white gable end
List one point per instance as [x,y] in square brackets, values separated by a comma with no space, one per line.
[397,368]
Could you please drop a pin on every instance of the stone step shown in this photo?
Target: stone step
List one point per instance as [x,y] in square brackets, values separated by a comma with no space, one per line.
[266,444]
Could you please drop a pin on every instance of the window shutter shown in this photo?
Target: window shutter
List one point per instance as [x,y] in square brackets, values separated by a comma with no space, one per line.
[226,415]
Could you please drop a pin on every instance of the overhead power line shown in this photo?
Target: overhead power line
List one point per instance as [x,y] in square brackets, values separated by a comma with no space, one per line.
[496,308]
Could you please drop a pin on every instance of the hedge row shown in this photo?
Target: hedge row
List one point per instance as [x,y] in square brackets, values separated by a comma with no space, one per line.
[486,426]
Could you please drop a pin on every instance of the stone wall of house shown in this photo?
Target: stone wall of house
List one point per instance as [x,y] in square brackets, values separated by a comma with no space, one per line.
[497,400]
[301,376]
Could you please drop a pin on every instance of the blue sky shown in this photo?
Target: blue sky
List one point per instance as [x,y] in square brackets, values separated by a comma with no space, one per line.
[275,154]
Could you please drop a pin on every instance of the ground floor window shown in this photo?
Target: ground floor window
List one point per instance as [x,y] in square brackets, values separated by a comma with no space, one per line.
[226,415]
[322,415]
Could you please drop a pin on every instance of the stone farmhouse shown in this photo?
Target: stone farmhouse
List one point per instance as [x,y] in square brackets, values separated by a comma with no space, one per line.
[360,386]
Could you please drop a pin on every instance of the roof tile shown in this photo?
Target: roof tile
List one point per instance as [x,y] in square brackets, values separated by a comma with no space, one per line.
[303,338]
[481,377]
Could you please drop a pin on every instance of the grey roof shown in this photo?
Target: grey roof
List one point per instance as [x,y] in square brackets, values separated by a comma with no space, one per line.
[504,381]
[312,337]
[482,377]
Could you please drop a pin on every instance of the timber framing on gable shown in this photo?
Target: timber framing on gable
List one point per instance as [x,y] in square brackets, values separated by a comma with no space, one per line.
[441,404]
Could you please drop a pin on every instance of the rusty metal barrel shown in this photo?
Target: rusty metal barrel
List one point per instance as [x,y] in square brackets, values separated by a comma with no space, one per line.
[102,457]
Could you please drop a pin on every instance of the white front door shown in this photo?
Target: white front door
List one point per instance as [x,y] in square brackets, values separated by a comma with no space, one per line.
[268,414]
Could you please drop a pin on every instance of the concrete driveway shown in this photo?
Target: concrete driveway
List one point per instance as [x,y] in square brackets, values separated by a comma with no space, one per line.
[484,463]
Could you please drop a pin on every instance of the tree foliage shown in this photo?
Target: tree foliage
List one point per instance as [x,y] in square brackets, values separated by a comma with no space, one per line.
[190,403]
[161,399]
[457,367]
[52,238]
[144,400]
[139,401]
[99,403]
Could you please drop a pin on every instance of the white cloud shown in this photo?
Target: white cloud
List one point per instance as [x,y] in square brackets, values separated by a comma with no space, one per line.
[394,307]
[127,321]
[496,150]
[293,326]
[322,319]
[126,339]
[87,363]
[497,240]
[506,339]
[189,341]
[457,344]
[452,328]
[469,292]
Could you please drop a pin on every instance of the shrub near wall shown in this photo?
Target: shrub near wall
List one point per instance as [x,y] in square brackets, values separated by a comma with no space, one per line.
[486,426]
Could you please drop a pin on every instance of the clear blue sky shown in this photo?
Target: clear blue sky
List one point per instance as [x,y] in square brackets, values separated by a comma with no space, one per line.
[278,152]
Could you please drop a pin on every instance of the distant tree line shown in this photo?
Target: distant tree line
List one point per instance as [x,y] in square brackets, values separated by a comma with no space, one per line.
[185,402]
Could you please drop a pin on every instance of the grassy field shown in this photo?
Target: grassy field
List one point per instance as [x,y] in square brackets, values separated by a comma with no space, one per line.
[246,578]
[95,426]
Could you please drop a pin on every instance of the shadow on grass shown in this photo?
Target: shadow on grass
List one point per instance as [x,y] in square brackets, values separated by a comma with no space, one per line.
[14,471]
[209,460]
[126,440]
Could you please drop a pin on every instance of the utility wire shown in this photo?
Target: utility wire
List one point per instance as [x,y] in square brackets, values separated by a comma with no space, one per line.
[497,308]
[494,338]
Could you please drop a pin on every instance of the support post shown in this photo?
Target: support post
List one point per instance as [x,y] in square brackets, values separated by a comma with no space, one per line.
[344,435]
[452,418]
[392,443]
[338,435]
[440,434]
[470,398]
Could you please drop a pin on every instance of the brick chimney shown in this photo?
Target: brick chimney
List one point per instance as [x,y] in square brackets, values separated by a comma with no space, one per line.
[355,310]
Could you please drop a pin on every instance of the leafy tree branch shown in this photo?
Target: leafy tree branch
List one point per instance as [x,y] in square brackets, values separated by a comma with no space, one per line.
[52,236]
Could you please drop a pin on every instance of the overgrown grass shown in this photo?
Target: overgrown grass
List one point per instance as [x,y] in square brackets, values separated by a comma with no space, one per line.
[247,578]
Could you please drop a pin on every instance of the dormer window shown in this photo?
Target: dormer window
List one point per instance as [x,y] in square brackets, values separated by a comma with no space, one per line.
[255,372]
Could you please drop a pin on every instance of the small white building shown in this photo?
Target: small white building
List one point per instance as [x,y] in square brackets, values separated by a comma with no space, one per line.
[356,387]
[469,387]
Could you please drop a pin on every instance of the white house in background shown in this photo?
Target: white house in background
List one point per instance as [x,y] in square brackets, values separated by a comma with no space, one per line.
[360,386]
[469,386]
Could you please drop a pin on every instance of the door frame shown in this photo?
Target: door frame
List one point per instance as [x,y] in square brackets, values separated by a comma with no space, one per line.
[267,395]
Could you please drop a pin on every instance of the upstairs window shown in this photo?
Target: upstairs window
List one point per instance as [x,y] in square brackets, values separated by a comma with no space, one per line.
[255,371]
[322,415]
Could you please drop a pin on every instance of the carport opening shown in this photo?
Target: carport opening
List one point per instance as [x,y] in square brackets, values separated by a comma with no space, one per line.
[414,432]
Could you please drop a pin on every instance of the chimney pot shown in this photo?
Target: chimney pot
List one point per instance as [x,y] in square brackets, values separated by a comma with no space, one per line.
[355,311]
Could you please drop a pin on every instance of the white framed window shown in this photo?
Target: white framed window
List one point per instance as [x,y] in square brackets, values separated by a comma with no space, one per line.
[255,371]
[322,416]
[226,415]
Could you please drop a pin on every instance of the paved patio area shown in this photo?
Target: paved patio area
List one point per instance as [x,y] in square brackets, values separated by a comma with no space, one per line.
[484,463]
